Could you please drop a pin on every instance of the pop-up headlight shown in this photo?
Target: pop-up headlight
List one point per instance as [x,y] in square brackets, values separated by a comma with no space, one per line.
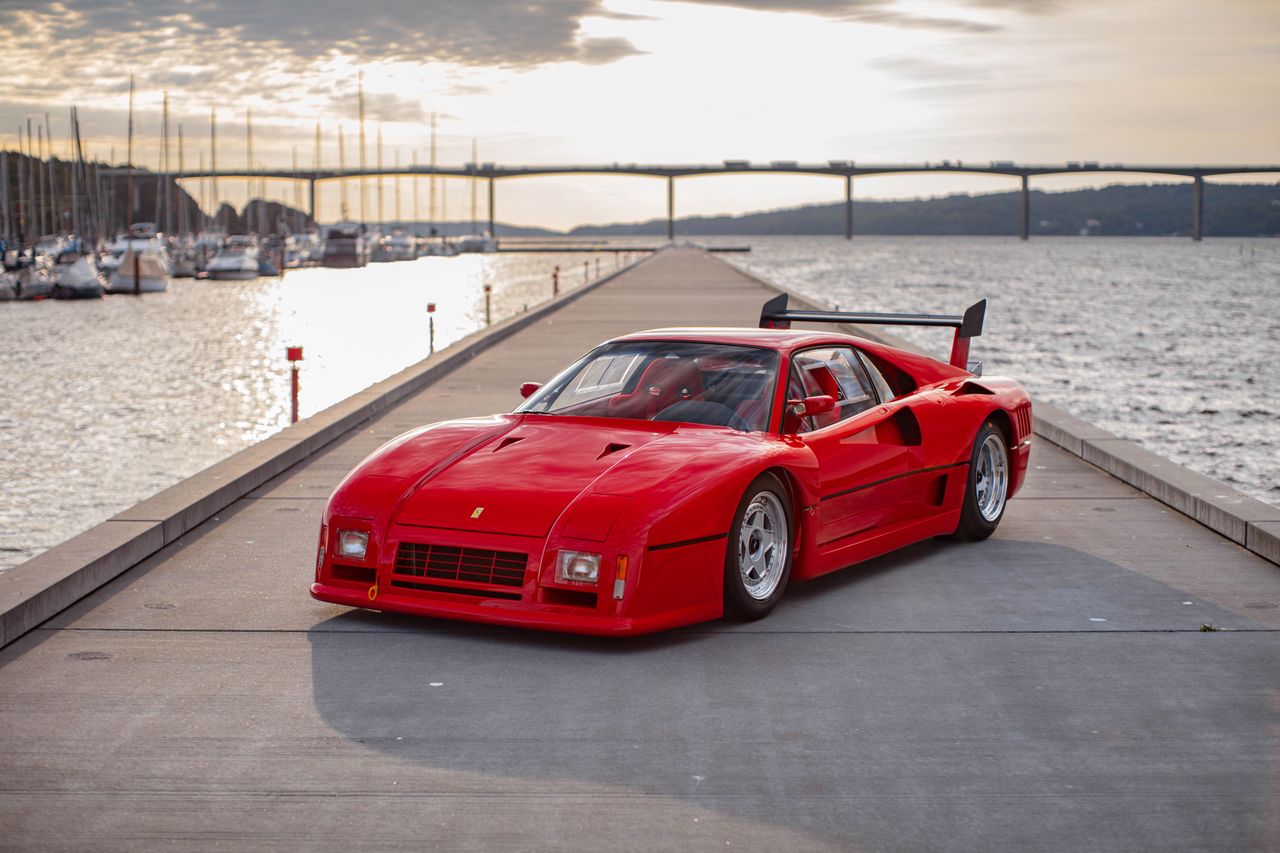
[353,544]
[577,567]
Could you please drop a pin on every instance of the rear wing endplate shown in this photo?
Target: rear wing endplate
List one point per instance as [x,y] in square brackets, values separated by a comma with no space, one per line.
[775,315]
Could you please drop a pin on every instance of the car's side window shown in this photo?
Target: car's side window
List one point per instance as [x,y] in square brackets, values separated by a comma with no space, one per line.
[835,372]
[877,378]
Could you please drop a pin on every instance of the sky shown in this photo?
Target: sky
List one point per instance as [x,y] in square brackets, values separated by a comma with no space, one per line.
[654,81]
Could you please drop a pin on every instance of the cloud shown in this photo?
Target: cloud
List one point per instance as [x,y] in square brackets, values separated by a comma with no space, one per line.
[876,12]
[601,51]
[378,106]
[504,33]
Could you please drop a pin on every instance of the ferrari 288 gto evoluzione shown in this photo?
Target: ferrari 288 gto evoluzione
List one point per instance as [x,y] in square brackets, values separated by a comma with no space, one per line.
[679,475]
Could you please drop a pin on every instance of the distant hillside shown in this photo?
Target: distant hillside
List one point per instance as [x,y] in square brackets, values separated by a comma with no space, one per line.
[1231,210]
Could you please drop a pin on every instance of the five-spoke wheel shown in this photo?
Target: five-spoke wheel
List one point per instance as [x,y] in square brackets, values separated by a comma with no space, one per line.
[758,556]
[987,487]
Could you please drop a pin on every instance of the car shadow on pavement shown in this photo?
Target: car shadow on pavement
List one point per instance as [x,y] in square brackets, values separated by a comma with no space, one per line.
[942,697]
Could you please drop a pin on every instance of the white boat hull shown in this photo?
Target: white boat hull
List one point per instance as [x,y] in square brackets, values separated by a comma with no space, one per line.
[123,283]
[233,274]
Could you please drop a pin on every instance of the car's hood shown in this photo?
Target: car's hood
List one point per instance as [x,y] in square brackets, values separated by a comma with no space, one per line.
[520,482]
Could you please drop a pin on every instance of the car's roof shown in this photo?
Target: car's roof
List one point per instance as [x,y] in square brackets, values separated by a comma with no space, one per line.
[779,339]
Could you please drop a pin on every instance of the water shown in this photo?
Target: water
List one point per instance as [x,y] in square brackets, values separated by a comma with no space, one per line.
[104,403]
[1170,343]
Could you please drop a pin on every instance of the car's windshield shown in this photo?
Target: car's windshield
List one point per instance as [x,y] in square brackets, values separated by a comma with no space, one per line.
[683,381]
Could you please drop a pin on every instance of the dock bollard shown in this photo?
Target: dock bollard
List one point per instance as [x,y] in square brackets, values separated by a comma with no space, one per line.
[431,328]
[294,354]
[488,315]
[586,275]
[555,281]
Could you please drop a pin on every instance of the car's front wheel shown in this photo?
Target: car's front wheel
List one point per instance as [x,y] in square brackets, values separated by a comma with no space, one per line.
[987,487]
[758,556]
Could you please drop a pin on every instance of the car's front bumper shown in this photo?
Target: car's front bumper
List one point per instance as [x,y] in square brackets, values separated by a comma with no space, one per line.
[521,614]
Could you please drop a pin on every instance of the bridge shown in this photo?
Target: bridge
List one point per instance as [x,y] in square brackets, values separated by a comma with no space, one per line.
[844,169]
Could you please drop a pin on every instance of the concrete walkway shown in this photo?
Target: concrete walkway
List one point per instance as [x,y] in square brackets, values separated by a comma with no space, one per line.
[1049,689]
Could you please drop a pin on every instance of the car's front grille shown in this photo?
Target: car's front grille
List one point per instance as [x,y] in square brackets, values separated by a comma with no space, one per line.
[473,565]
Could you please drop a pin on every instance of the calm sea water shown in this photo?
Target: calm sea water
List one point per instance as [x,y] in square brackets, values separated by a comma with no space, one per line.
[1171,343]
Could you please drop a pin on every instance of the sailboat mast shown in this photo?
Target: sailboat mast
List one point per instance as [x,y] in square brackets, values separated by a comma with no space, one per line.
[248,164]
[43,210]
[315,171]
[380,176]
[364,183]
[128,189]
[184,218]
[431,184]
[213,162]
[342,170]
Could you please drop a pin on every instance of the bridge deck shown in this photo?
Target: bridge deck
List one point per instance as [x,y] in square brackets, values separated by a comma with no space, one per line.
[945,697]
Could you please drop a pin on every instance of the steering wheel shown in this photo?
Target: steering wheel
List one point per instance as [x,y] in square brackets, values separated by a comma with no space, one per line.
[703,412]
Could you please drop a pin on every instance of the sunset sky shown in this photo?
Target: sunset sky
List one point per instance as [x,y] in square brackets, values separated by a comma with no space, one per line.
[602,81]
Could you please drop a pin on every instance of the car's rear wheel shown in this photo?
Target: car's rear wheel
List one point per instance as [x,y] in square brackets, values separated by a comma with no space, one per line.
[987,488]
[758,557]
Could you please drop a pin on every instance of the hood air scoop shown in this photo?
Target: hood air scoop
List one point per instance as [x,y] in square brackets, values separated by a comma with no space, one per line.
[507,442]
[612,447]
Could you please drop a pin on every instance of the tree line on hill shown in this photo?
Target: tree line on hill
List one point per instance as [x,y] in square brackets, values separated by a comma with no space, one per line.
[1231,210]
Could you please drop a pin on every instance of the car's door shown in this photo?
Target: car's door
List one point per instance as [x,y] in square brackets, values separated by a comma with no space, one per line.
[859,446]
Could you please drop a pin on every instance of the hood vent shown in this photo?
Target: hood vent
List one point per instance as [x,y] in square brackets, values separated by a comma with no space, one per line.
[611,448]
[507,442]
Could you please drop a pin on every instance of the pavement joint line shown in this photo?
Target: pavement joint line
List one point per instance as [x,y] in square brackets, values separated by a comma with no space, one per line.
[1081,497]
[677,633]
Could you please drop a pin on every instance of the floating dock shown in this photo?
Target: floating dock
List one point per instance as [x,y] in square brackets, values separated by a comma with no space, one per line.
[1048,689]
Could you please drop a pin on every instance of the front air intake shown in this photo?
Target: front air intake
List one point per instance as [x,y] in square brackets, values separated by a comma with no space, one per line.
[471,565]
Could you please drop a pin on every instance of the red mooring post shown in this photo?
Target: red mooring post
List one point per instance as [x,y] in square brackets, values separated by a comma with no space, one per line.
[555,281]
[431,327]
[488,314]
[294,354]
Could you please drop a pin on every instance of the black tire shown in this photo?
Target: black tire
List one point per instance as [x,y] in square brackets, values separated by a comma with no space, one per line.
[769,507]
[979,516]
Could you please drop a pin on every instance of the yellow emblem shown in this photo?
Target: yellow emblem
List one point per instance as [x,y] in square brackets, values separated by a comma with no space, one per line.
[476,513]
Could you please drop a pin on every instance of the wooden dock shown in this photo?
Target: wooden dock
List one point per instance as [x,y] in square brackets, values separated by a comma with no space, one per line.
[1049,689]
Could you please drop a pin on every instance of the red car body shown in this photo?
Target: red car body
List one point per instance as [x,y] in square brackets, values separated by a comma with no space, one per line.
[465,518]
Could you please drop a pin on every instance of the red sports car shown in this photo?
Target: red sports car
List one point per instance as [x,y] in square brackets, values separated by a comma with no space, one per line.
[680,475]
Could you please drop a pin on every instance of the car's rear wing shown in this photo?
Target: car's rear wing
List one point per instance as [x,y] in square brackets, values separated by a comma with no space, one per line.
[774,315]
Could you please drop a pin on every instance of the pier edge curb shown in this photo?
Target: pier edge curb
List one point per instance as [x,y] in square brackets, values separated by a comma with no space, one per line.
[1246,521]
[52,581]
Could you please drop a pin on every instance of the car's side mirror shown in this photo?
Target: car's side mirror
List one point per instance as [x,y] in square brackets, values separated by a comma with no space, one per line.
[810,406]
[799,409]
[528,389]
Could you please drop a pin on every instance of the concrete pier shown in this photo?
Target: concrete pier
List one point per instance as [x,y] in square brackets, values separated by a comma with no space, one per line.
[1049,689]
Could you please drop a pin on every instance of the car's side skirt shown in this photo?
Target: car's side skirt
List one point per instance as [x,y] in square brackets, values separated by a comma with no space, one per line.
[854,549]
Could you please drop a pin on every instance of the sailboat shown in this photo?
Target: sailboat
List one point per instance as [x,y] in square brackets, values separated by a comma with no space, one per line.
[237,261]
[140,271]
[77,277]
